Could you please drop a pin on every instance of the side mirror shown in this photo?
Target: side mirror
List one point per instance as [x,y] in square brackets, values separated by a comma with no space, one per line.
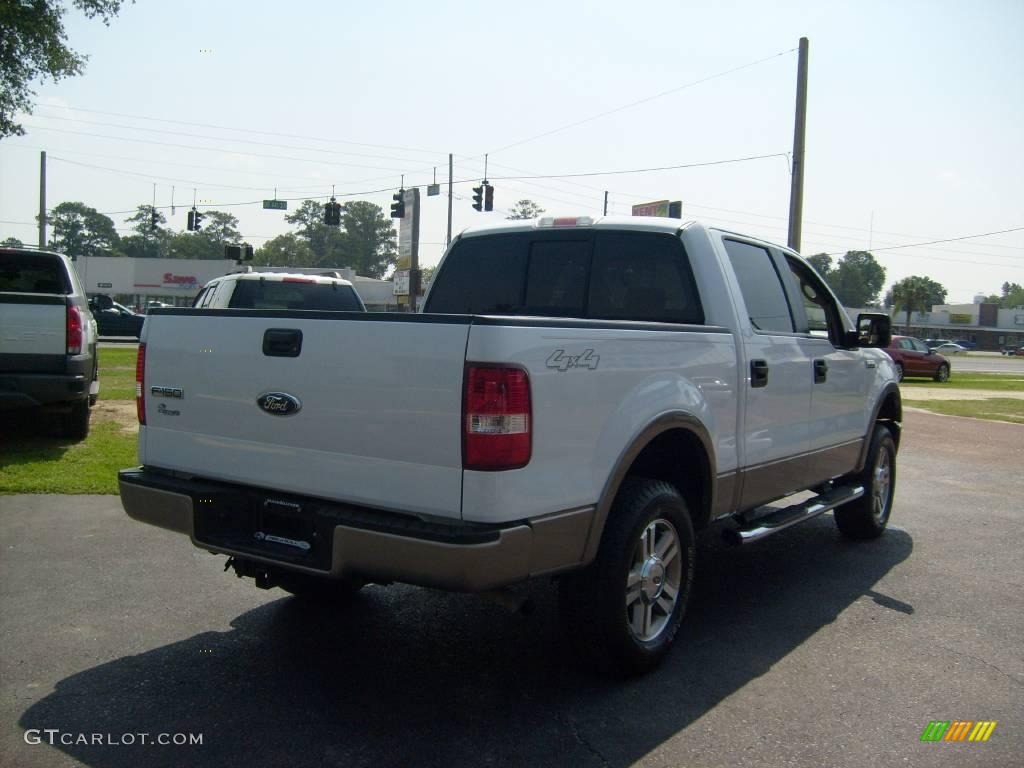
[874,329]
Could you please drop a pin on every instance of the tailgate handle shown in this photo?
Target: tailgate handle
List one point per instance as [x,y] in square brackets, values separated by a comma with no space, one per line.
[282,342]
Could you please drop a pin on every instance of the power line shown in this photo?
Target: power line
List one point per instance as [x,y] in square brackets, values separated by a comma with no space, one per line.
[641,101]
[234,152]
[321,183]
[945,240]
[234,140]
[636,170]
[249,130]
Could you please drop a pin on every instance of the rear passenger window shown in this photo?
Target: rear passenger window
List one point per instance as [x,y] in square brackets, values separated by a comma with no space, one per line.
[32,273]
[761,286]
[482,276]
[642,276]
[586,274]
[556,283]
[294,294]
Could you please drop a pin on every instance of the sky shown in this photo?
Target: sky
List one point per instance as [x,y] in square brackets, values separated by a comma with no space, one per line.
[914,128]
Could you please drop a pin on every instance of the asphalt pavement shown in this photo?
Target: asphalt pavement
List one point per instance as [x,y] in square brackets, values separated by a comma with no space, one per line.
[802,650]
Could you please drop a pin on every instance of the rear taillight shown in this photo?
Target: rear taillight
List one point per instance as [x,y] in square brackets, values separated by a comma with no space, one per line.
[496,418]
[74,330]
[140,384]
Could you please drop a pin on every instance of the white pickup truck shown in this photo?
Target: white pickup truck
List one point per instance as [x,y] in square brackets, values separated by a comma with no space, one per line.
[576,399]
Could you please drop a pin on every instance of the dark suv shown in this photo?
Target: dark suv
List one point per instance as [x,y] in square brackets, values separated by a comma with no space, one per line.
[913,358]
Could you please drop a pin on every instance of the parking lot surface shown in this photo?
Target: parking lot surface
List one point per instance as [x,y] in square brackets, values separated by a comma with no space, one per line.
[802,650]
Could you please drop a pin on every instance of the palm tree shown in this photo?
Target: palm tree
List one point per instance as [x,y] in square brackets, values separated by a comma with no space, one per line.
[909,294]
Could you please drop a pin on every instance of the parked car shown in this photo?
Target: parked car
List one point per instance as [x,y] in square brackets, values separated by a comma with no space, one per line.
[933,343]
[279,290]
[48,341]
[950,348]
[115,319]
[913,358]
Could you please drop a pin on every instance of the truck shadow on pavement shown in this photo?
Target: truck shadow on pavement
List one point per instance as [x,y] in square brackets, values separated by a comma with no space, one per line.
[408,677]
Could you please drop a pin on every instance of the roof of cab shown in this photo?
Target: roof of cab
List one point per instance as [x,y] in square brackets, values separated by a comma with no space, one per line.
[643,223]
[280,277]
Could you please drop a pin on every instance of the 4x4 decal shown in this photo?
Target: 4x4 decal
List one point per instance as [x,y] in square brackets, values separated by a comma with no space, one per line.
[563,362]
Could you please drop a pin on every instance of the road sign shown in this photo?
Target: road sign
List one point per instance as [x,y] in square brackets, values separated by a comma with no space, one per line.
[401,282]
[657,208]
[104,285]
[433,190]
[275,205]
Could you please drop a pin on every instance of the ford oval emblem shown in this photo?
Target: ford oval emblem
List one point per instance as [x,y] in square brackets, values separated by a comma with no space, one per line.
[279,403]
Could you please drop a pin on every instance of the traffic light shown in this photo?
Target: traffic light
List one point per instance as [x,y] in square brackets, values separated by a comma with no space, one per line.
[152,218]
[192,220]
[488,198]
[332,213]
[398,207]
[197,219]
[478,197]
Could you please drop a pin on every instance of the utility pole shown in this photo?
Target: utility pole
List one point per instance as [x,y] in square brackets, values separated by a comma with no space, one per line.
[606,202]
[42,200]
[796,194]
[414,265]
[448,240]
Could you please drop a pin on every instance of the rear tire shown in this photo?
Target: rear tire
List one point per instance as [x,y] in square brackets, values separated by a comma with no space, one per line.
[624,609]
[867,517]
[75,424]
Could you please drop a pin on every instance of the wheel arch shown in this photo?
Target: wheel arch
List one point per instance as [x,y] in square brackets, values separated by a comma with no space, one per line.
[665,450]
[889,412]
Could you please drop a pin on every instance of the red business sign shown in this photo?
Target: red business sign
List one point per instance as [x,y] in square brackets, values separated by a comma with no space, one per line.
[184,280]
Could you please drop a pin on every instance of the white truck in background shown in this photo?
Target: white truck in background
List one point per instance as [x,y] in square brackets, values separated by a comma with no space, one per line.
[577,398]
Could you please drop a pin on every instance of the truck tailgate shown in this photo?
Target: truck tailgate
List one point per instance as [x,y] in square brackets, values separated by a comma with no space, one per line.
[33,324]
[380,404]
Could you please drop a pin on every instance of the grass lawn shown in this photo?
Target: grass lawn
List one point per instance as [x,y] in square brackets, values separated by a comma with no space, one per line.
[996,382]
[117,374]
[34,461]
[995,408]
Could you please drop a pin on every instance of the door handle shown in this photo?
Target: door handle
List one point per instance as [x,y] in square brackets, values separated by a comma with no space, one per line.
[758,373]
[820,371]
[282,342]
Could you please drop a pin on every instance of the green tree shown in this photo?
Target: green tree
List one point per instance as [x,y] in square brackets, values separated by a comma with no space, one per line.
[914,293]
[369,245]
[821,262]
[79,230]
[525,209]
[33,46]
[220,227]
[1013,296]
[857,279]
[150,241]
[327,243]
[286,250]
[12,242]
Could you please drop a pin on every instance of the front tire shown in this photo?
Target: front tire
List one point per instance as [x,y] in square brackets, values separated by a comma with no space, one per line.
[624,609]
[899,371]
[867,517]
[942,373]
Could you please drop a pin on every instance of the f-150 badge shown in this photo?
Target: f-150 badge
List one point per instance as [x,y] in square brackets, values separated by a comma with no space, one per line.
[279,403]
[563,362]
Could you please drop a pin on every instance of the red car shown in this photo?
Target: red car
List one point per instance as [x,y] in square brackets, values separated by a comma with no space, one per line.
[913,358]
